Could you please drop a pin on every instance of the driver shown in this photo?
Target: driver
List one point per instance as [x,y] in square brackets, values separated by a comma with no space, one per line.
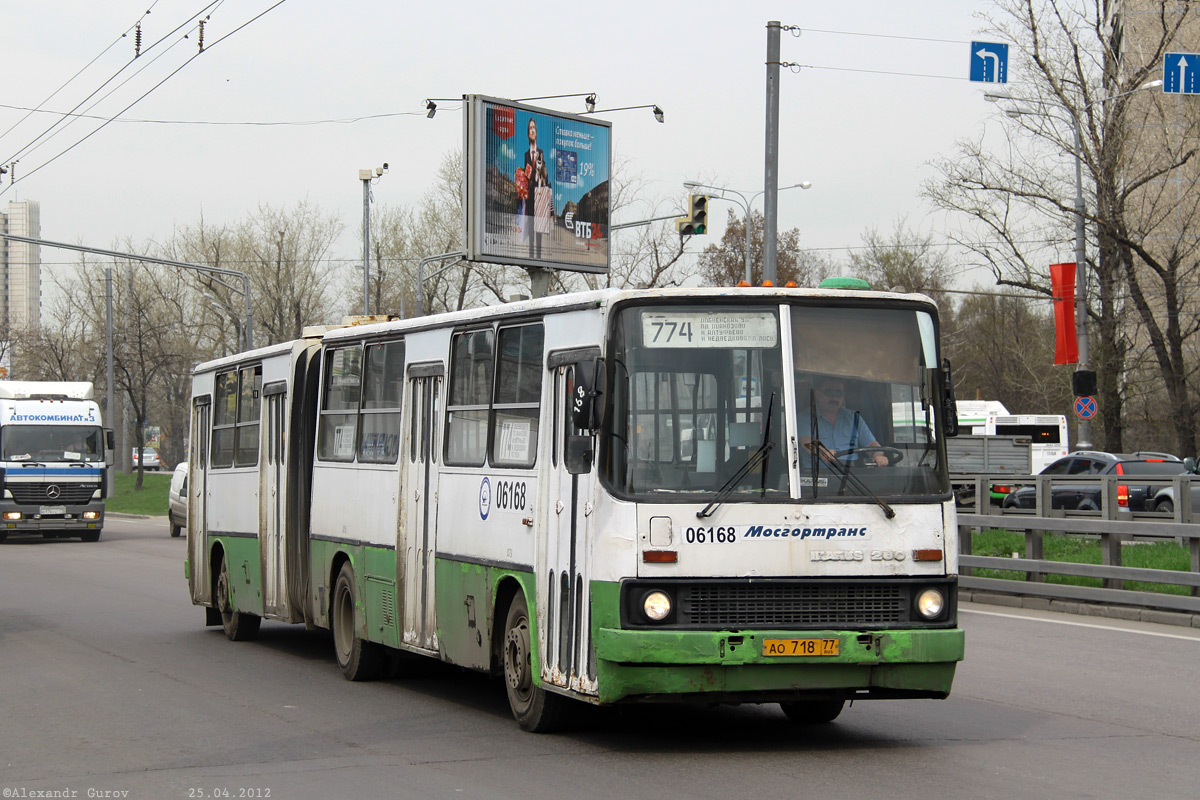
[838,428]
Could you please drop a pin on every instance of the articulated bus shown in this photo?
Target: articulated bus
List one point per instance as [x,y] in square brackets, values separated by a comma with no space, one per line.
[607,497]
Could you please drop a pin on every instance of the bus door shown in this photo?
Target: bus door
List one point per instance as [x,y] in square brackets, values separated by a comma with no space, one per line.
[197,520]
[417,537]
[563,554]
[271,475]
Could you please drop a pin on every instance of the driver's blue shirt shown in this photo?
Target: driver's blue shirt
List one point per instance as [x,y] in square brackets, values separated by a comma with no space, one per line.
[848,432]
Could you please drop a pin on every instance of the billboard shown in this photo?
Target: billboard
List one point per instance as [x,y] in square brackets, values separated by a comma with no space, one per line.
[536,187]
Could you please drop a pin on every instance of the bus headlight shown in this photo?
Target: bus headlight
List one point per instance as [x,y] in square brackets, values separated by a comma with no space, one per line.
[12,514]
[656,606]
[91,515]
[930,603]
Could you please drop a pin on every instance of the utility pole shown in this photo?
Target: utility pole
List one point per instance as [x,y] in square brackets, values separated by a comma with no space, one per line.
[366,176]
[771,169]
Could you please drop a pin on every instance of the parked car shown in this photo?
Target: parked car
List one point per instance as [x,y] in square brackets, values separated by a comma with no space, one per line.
[153,462]
[177,501]
[1089,496]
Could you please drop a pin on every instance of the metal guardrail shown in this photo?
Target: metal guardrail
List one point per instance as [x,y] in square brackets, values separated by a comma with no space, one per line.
[1112,524]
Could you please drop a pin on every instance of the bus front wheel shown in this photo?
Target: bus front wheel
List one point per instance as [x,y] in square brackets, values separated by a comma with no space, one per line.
[239,627]
[359,659]
[535,709]
[813,712]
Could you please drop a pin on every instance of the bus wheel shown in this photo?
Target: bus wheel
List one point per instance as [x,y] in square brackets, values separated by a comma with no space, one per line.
[535,709]
[239,627]
[813,712]
[90,536]
[359,659]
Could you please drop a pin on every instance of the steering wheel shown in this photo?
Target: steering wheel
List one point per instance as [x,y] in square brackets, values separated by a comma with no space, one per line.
[894,455]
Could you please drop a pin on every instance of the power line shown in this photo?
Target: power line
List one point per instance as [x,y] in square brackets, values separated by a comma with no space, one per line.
[82,69]
[343,121]
[143,96]
[112,77]
[882,36]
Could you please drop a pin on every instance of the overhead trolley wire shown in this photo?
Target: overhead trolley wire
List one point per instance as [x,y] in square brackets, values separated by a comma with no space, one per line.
[143,96]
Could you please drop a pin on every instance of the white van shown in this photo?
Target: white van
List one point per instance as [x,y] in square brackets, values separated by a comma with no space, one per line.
[177,499]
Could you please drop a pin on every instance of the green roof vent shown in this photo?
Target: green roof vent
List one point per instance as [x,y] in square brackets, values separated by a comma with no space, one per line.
[844,283]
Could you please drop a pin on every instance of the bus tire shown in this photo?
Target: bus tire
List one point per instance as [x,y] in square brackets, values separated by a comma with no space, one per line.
[813,712]
[359,659]
[239,626]
[90,536]
[535,709]
[3,536]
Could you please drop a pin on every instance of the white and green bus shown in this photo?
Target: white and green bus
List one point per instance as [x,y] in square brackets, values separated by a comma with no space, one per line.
[604,497]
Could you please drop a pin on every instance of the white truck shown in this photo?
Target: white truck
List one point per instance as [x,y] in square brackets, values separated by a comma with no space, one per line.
[53,460]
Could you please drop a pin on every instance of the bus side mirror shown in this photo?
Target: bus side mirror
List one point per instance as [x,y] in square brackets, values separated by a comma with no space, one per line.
[586,400]
[580,453]
[949,404]
[110,439]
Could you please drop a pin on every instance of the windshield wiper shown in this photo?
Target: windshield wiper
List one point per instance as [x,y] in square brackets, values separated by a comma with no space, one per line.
[759,456]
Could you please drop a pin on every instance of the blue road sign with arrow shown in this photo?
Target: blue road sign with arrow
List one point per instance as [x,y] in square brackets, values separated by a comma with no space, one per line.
[989,62]
[1181,73]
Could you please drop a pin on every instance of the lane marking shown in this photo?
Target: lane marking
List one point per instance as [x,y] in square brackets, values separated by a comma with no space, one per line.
[1195,638]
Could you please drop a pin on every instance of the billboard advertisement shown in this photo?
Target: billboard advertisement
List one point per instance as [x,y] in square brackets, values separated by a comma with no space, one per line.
[537,186]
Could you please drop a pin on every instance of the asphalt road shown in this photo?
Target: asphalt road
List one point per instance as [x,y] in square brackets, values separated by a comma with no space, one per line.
[110,683]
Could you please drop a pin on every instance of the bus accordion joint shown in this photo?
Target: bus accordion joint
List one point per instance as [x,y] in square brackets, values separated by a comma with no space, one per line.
[931,554]
[660,556]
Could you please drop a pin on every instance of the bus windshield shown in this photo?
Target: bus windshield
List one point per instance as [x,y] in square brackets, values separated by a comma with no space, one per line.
[771,402]
[51,443]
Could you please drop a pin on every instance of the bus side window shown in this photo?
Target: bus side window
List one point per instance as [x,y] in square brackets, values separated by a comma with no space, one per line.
[517,408]
[379,442]
[338,427]
[224,419]
[470,390]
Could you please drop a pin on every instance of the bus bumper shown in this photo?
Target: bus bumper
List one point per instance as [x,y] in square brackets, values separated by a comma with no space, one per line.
[38,519]
[729,666]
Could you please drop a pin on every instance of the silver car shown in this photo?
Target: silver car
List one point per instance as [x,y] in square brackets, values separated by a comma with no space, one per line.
[153,462]
[177,501]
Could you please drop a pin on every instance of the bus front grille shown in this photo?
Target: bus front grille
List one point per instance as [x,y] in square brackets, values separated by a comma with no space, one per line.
[803,605]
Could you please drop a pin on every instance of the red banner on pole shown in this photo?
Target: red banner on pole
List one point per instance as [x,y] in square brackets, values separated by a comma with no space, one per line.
[1062,282]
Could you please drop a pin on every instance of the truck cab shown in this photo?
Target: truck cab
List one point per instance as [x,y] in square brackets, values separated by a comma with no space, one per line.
[53,461]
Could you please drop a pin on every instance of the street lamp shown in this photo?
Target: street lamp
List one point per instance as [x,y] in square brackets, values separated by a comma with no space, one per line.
[745,203]
[1084,435]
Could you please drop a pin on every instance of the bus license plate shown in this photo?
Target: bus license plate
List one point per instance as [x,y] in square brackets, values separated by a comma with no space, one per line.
[800,647]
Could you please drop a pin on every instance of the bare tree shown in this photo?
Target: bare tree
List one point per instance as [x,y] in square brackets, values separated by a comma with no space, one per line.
[1082,65]
[1002,348]
[724,264]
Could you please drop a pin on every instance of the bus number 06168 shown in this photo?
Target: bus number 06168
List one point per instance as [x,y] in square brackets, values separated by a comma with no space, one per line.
[510,495]
[710,535]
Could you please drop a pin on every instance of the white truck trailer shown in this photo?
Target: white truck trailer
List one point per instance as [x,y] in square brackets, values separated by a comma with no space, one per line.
[53,460]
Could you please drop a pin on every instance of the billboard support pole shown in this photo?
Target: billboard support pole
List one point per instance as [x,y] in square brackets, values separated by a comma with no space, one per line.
[539,281]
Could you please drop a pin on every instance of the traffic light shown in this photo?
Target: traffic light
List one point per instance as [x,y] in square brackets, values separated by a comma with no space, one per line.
[696,222]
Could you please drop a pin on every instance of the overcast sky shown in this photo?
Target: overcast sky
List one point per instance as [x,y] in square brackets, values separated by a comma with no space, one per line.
[860,123]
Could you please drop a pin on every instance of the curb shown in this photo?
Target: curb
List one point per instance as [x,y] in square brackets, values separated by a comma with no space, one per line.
[1128,613]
